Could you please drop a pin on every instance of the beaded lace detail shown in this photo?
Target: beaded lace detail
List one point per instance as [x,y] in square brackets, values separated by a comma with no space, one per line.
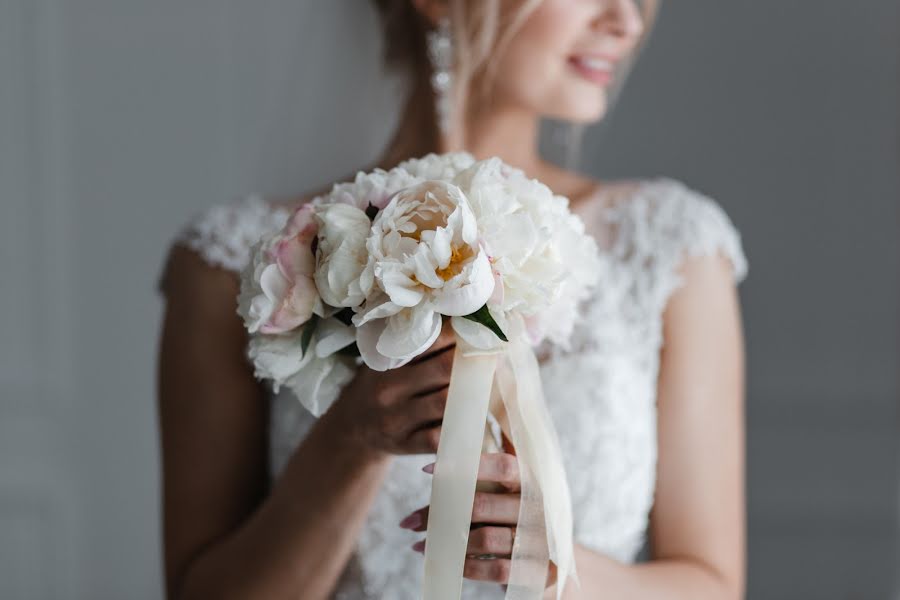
[601,389]
[224,234]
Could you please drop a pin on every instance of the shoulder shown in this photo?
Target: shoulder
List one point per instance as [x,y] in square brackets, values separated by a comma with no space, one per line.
[666,223]
[214,245]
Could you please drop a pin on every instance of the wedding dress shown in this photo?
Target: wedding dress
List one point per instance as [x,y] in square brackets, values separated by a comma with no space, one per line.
[601,390]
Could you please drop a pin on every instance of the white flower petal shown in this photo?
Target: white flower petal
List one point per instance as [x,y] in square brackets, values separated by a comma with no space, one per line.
[401,289]
[476,335]
[273,284]
[320,382]
[409,333]
[377,307]
[259,310]
[341,255]
[425,265]
[277,357]
[367,339]
[367,278]
[477,287]
[440,246]
[469,228]
[332,335]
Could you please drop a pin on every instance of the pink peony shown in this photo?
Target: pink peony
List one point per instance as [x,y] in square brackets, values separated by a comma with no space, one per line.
[284,295]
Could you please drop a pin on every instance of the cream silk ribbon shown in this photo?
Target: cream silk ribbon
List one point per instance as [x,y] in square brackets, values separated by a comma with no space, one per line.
[544,529]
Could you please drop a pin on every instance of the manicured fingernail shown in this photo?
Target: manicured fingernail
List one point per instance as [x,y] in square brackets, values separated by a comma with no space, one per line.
[412,521]
[419,546]
[429,468]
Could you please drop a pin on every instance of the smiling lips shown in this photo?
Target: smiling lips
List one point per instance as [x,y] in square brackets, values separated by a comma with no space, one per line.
[597,69]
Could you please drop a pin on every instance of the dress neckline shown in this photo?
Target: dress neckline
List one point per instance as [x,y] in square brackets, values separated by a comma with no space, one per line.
[602,197]
[588,200]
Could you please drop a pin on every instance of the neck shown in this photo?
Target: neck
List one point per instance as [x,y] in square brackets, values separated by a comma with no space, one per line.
[417,134]
[510,133]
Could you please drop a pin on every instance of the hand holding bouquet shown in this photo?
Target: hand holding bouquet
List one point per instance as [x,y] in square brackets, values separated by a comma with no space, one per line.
[370,271]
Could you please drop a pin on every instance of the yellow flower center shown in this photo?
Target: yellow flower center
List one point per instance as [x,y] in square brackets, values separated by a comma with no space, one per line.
[458,255]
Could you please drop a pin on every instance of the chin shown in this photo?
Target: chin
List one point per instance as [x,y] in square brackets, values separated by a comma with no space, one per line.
[577,102]
[585,112]
[590,116]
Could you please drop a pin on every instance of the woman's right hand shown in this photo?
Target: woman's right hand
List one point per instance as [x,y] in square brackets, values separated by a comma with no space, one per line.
[398,411]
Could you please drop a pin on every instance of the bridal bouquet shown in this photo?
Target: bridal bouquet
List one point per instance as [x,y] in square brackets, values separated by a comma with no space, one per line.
[368,273]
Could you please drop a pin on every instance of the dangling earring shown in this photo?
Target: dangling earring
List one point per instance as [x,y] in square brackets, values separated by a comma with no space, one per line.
[440,51]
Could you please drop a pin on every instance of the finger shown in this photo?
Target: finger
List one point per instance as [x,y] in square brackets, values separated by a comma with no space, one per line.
[425,411]
[416,520]
[500,509]
[491,540]
[427,373]
[496,569]
[422,441]
[502,468]
[426,376]
[552,574]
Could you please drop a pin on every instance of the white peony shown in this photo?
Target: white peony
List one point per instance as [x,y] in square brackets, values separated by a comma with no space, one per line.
[370,189]
[341,253]
[425,261]
[543,261]
[450,236]
[443,167]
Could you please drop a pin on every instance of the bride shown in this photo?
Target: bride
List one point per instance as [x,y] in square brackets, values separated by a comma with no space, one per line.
[261,500]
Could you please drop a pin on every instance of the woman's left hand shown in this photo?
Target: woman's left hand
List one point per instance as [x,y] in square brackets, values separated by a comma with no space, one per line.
[494,519]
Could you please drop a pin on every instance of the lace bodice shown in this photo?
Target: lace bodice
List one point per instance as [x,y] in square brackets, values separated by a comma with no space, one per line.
[601,390]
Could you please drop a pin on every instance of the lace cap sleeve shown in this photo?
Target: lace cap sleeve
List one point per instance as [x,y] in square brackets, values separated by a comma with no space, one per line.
[667,222]
[224,234]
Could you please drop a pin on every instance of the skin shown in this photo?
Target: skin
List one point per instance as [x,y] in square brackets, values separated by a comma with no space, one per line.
[226,535]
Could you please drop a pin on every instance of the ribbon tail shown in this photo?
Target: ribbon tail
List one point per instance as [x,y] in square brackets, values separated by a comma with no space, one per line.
[545,514]
[455,473]
[530,554]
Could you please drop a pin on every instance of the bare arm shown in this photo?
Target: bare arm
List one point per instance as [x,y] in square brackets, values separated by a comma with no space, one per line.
[697,523]
[226,535]
[223,536]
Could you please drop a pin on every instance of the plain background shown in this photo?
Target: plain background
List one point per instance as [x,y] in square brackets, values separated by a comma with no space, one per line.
[121,118]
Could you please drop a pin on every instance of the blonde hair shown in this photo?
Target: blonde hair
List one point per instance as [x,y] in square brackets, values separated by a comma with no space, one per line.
[481,31]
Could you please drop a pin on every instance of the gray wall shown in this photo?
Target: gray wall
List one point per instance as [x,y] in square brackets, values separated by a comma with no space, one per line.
[121,118]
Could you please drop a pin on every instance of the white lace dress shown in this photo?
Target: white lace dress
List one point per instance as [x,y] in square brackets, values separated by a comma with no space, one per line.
[601,392]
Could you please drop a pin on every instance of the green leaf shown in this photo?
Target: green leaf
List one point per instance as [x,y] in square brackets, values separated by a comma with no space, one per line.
[483,316]
[308,331]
